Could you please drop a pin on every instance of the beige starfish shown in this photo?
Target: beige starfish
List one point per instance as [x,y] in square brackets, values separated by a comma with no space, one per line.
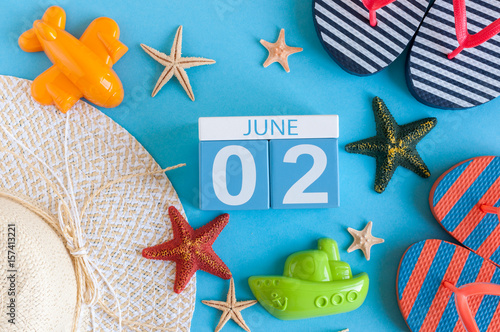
[363,240]
[175,64]
[231,309]
[279,51]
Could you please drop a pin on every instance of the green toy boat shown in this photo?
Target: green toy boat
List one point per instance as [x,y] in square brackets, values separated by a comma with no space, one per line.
[315,283]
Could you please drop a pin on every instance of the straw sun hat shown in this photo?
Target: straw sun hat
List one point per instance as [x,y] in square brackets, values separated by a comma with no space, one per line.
[79,200]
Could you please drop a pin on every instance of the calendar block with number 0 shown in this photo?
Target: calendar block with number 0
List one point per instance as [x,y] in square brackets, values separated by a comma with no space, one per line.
[282,162]
[234,175]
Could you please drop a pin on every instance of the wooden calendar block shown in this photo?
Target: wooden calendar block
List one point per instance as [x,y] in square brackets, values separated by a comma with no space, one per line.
[304,173]
[234,175]
[268,127]
[235,162]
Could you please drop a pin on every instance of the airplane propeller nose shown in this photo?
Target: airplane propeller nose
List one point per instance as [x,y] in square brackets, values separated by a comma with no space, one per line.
[115,99]
[44,30]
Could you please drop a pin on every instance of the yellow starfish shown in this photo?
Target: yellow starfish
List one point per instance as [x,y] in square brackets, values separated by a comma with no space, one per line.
[279,51]
[175,65]
[231,309]
[363,240]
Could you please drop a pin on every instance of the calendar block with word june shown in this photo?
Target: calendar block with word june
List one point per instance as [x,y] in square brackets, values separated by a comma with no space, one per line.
[282,162]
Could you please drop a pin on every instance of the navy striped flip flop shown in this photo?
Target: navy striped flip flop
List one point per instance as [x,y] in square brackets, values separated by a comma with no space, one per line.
[346,32]
[472,77]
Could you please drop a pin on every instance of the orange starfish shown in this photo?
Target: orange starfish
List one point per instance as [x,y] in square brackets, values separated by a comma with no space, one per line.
[191,249]
[279,51]
[363,240]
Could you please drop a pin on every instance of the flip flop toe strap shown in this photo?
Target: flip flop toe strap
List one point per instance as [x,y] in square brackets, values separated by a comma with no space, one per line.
[372,6]
[461,300]
[466,40]
[490,209]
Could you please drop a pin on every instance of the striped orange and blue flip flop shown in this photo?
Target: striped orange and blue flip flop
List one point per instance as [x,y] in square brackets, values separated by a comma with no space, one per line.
[444,287]
[466,201]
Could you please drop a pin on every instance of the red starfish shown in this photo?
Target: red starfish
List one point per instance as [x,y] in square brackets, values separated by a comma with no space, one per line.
[191,249]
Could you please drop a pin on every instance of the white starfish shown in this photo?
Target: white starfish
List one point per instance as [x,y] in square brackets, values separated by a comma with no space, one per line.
[231,309]
[175,65]
[363,240]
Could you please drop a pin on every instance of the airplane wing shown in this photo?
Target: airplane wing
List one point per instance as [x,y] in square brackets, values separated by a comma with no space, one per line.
[53,87]
[55,17]
[101,37]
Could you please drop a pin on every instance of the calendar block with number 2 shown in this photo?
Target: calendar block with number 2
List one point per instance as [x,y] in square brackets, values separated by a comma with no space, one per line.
[282,162]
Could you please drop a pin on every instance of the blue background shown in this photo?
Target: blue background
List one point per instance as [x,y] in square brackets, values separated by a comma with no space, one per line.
[258,242]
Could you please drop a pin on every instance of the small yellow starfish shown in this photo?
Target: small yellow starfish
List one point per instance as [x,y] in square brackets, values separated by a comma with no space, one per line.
[363,240]
[175,65]
[279,51]
[231,309]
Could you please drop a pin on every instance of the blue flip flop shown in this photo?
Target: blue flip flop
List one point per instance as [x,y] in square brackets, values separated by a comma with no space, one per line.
[453,62]
[365,36]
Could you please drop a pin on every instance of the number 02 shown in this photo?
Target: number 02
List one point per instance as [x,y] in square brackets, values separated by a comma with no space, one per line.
[294,195]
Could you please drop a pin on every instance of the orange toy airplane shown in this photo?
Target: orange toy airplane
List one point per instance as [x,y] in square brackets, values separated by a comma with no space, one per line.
[82,68]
